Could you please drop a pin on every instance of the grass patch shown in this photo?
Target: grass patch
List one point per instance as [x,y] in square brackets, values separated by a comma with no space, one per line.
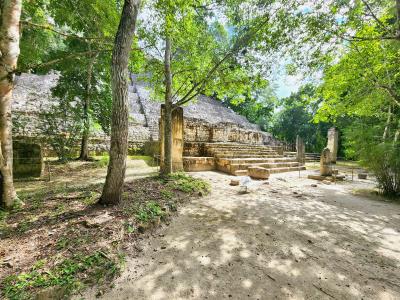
[147,159]
[102,161]
[187,184]
[71,275]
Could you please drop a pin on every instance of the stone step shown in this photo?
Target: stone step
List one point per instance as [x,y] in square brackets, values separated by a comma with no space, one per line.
[224,156]
[277,165]
[239,146]
[138,118]
[279,159]
[247,147]
[271,171]
[283,170]
[233,167]
[241,151]
[241,173]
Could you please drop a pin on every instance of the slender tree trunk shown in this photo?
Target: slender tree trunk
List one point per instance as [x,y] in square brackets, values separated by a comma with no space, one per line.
[398,18]
[112,190]
[168,110]
[387,126]
[84,155]
[10,13]
[397,134]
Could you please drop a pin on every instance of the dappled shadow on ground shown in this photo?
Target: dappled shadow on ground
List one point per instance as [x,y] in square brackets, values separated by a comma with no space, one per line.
[79,174]
[286,240]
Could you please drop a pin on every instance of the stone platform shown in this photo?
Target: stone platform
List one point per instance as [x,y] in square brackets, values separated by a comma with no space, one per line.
[235,159]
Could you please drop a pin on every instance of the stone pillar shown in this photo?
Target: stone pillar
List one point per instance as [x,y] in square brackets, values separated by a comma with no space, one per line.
[325,163]
[333,142]
[300,150]
[177,139]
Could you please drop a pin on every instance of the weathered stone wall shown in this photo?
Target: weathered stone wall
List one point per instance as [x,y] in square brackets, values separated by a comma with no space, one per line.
[194,149]
[205,120]
[200,131]
[27,159]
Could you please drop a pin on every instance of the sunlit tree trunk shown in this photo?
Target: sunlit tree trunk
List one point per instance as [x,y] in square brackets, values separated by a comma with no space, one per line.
[10,13]
[167,169]
[112,190]
[387,126]
[397,134]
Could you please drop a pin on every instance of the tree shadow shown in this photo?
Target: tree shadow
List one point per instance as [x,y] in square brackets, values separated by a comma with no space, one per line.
[269,244]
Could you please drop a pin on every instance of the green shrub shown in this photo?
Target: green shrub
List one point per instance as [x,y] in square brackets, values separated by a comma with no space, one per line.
[380,157]
[187,184]
[384,161]
[150,212]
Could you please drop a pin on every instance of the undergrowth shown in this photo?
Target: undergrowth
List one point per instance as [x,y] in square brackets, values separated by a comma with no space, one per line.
[145,203]
[71,275]
[187,184]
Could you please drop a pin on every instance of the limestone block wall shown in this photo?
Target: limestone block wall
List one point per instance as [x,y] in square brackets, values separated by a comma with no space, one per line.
[27,159]
[205,120]
[200,131]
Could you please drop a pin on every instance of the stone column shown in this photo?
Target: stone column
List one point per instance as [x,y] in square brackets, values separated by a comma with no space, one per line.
[300,150]
[325,163]
[333,142]
[177,139]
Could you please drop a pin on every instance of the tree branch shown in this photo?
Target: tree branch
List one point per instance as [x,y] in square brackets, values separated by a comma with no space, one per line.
[380,23]
[54,61]
[67,35]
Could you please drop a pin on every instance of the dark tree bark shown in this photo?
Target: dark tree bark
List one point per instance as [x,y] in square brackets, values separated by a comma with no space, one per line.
[167,169]
[10,13]
[112,190]
[84,155]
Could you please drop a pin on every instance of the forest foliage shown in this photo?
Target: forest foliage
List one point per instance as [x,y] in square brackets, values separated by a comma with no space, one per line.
[227,50]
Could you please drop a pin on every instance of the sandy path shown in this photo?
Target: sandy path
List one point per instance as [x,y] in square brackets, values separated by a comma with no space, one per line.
[321,243]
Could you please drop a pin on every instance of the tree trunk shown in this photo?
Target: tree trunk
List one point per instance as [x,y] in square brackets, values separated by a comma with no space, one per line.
[398,18]
[397,134]
[84,155]
[387,126]
[168,110]
[10,13]
[112,190]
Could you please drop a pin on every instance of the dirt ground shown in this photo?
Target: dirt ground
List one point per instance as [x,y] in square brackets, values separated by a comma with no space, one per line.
[283,240]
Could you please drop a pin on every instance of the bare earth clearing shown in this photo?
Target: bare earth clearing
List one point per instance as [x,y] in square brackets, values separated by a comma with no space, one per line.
[285,240]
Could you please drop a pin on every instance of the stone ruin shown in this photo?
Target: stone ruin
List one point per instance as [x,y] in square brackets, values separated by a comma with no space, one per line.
[230,150]
[333,143]
[207,135]
[205,120]
[327,173]
[326,163]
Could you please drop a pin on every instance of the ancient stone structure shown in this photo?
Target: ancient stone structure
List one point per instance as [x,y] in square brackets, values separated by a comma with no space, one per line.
[177,139]
[205,121]
[27,160]
[325,163]
[300,150]
[236,159]
[206,134]
[333,143]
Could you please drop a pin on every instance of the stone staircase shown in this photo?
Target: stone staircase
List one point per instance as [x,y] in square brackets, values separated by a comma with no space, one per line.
[236,158]
[139,132]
